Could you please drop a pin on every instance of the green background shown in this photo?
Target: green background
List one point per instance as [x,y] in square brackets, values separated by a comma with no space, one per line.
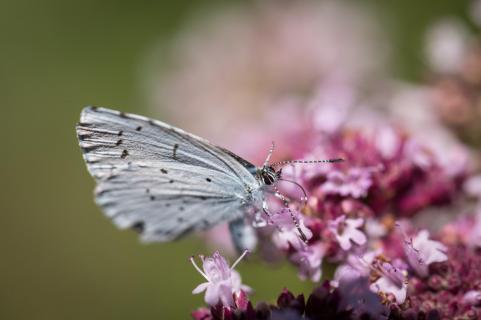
[59,257]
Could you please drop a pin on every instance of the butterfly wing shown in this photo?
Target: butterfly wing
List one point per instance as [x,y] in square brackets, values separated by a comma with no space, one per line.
[158,179]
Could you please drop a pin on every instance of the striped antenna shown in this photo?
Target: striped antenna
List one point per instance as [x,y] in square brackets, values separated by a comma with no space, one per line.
[282,163]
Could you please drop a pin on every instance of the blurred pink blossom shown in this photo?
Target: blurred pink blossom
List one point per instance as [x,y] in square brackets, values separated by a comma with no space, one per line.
[355,267]
[446,45]
[287,234]
[391,280]
[355,182]
[309,260]
[347,230]
[472,297]
[233,66]
[421,252]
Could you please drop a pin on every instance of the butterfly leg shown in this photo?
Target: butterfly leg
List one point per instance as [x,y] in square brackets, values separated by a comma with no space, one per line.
[269,155]
[265,209]
[293,217]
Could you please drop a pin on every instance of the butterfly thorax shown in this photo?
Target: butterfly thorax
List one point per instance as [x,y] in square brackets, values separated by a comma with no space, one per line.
[268,175]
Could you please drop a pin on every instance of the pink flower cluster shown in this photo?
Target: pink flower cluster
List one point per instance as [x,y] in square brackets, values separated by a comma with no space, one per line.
[359,216]
[398,217]
[353,206]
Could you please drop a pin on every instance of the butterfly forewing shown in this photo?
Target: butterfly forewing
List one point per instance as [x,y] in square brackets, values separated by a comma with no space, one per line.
[159,179]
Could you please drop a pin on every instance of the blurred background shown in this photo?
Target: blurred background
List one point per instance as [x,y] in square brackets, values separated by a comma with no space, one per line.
[197,64]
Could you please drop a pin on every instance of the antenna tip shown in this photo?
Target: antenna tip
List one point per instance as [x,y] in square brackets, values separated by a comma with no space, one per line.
[337,160]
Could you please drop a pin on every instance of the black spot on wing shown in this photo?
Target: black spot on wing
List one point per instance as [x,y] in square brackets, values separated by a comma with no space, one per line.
[174,151]
[120,133]
[138,227]
[119,142]
[91,148]
[138,128]
[163,171]
[124,154]
[208,179]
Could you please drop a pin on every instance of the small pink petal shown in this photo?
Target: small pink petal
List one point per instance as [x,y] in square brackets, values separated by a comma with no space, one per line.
[344,242]
[200,288]
[386,286]
[358,237]
[212,295]
[225,294]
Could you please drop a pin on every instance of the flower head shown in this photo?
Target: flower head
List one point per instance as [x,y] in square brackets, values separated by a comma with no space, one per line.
[472,297]
[287,233]
[355,182]
[347,230]
[390,280]
[222,281]
[309,260]
[421,252]
[355,267]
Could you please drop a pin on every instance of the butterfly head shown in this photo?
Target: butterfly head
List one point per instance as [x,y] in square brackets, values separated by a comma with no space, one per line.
[269,175]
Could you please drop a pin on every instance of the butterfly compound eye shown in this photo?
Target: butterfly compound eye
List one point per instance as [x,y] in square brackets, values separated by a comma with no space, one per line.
[269,175]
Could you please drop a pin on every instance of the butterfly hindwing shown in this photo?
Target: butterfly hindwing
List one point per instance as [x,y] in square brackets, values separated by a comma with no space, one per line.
[159,179]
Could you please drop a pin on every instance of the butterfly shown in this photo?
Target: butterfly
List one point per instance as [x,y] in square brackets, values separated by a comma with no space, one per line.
[165,183]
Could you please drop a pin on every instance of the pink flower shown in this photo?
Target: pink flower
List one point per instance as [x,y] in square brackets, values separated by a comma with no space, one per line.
[384,276]
[355,182]
[354,268]
[346,230]
[307,257]
[309,260]
[222,281]
[287,234]
[472,297]
[391,280]
[421,252]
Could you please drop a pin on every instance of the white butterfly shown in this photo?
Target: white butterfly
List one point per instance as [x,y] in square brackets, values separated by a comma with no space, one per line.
[165,182]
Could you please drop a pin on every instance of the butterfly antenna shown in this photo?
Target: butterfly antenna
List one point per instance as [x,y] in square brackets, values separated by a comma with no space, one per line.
[269,155]
[282,163]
